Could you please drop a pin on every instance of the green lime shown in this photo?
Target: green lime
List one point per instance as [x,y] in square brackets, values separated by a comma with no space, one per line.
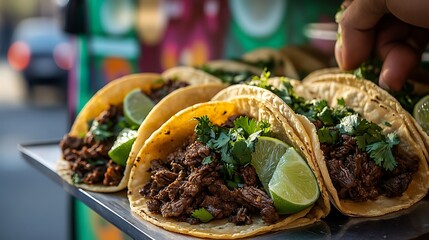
[421,113]
[122,146]
[137,106]
[293,186]
[267,154]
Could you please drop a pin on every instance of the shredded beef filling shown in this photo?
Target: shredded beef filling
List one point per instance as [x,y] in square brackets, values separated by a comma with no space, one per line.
[356,176]
[88,157]
[183,184]
[158,93]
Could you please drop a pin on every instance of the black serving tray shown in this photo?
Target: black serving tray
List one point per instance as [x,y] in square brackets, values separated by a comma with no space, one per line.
[412,223]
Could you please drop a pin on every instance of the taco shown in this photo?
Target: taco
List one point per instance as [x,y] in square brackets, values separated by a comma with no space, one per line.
[181,182]
[86,162]
[231,72]
[378,162]
[306,59]
[370,170]
[272,60]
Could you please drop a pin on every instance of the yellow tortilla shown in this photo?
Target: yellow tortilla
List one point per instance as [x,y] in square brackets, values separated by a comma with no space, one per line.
[376,105]
[114,93]
[171,136]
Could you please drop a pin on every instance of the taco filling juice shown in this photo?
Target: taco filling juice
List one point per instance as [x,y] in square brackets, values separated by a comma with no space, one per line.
[89,155]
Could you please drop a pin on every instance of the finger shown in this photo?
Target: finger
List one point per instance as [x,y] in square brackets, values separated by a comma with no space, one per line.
[356,27]
[414,12]
[400,46]
[401,60]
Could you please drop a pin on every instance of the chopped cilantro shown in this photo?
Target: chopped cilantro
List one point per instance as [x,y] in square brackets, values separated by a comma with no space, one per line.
[101,132]
[207,160]
[339,119]
[381,152]
[228,77]
[76,179]
[235,145]
[326,135]
[203,129]
[202,214]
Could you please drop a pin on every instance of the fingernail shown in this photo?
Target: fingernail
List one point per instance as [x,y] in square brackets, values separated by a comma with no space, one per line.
[382,83]
[339,54]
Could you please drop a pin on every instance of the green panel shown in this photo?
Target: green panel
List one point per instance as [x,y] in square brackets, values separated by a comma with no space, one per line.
[90,226]
[83,79]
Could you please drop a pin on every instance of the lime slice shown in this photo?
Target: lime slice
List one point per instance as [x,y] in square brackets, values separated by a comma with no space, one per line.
[137,106]
[267,154]
[421,113]
[122,146]
[293,186]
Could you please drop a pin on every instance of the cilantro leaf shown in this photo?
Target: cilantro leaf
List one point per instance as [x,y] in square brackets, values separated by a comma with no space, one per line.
[235,145]
[207,160]
[250,126]
[203,129]
[326,135]
[101,132]
[381,151]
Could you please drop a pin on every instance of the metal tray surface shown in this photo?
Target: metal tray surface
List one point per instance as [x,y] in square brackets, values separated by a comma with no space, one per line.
[412,223]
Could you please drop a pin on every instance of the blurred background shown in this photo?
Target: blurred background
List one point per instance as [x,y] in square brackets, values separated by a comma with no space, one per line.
[55,54]
[32,93]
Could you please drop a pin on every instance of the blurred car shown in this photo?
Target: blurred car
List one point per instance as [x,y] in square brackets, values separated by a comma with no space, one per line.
[41,51]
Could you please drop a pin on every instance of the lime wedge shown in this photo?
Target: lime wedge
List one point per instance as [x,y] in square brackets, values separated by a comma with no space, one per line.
[137,106]
[267,154]
[122,146]
[421,113]
[293,186]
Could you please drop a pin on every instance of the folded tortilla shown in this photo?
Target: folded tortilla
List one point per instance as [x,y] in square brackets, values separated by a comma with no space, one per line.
[283,66]
[378,106]
[373,104]
[177,130]
[200,89]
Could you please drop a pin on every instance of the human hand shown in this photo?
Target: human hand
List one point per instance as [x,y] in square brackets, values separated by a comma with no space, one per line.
[397,31]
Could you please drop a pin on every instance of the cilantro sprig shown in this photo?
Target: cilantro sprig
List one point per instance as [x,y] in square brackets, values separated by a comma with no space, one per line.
[338,120]
[229,77]
[235,145]
[371,70]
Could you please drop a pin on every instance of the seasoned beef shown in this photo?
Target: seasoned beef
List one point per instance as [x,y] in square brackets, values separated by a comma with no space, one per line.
[95,175]
[217,207]
[259,199]
[395,186]
[195,153]
[71,155]
[248,173]
[113,175]
[164,177]
[159,92]
[88,157]
[106,116]
[183,184]
[229,123]
[157,164]
[154,205]
[357,177]
[176,208]
[242,217]
[71,142]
